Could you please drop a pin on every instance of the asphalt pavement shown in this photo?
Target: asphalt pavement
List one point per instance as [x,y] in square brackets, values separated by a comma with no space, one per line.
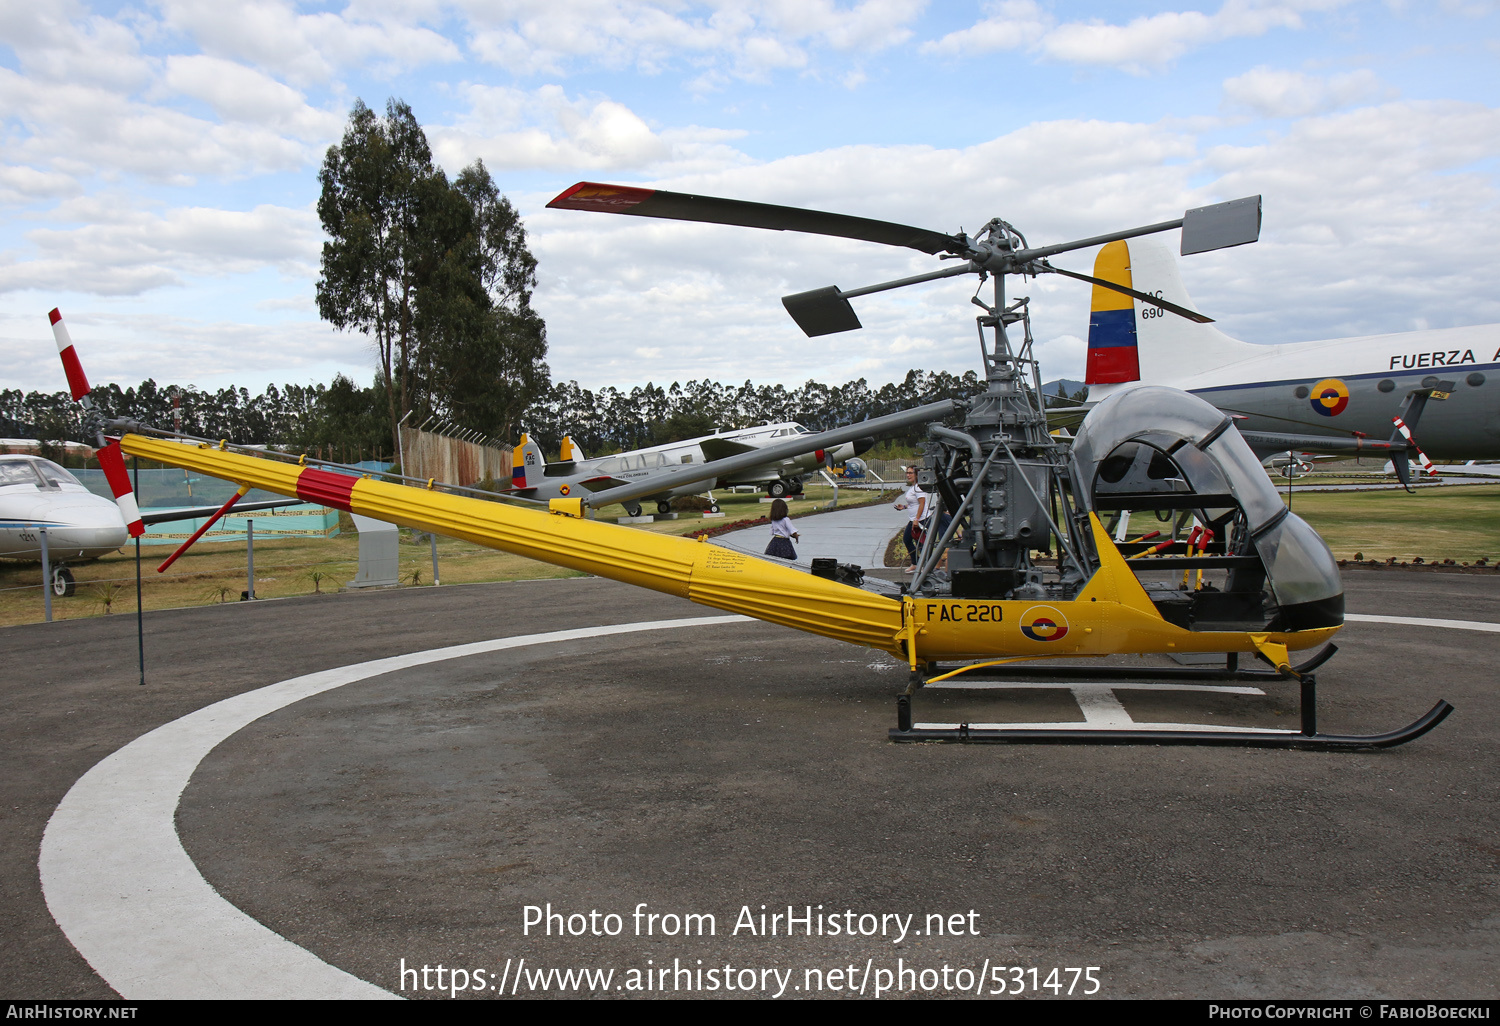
[420,817]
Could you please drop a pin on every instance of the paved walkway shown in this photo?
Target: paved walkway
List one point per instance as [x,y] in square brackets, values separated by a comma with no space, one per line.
[848,535]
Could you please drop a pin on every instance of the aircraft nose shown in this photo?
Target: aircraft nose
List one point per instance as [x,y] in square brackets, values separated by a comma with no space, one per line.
[863,445]
[87,530]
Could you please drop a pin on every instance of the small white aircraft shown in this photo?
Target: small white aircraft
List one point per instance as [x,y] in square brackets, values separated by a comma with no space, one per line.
[779,477]
[1337,396]
[36,493]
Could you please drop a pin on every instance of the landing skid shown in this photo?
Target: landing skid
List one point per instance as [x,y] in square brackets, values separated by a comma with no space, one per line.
[1106,729]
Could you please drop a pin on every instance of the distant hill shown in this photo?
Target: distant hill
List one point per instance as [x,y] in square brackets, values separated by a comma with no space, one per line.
[1061,386]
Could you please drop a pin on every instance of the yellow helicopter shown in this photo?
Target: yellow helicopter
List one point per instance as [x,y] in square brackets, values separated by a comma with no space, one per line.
[1251,577]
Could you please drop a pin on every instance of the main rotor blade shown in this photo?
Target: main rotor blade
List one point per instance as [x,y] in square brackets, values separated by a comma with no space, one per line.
[1180,311]
[681,206]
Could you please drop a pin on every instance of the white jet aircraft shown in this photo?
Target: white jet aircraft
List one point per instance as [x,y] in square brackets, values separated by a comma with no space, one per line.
[779,478]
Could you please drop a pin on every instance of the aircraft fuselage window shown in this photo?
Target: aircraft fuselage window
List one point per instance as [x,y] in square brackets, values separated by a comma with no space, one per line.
[1476,379]
[1387,385]
[687,457]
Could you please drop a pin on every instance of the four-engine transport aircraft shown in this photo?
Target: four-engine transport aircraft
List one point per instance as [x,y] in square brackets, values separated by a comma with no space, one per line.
[1335,396]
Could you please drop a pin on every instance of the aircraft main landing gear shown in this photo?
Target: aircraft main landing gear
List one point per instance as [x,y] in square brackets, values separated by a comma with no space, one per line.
[663,507]
[776,489]
[632,509]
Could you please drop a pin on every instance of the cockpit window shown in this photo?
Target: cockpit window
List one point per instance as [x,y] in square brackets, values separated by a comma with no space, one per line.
[16,472]
[55,474]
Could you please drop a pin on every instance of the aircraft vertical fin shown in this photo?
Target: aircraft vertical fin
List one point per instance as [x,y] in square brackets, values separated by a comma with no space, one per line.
[526,464]
[1171,350]
[1113,354]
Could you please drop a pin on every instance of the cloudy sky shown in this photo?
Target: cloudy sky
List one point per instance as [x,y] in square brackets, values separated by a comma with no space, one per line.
[159,168]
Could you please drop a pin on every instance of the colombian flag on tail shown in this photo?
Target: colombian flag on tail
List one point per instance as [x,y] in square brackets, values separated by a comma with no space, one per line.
[1113,356]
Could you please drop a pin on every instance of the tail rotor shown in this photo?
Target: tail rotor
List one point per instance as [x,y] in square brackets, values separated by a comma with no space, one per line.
[111,458]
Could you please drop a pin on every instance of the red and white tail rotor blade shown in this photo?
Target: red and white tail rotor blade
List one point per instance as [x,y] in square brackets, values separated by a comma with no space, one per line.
[111,458]
[78,383]
[1421,456]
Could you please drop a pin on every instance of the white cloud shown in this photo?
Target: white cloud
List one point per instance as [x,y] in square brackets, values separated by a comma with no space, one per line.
[743,40]
[122,252]
[20,184]
[513,128]
[1143,44]
[85,130]
[126,347]
[59,43]
[306,48]
[1011,25]
[1275,93]
[243,94]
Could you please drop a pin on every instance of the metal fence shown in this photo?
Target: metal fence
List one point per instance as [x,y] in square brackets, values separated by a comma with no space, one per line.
[452,460]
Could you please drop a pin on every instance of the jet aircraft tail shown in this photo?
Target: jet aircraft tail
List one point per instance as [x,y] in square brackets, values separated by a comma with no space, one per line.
[1132,342]
[526,464]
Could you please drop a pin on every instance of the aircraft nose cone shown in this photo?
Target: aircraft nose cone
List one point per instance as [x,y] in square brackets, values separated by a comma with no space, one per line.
[87,530]
[863,445]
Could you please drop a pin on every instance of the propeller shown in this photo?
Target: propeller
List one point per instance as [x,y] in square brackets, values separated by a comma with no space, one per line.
[111,458]
[826,311]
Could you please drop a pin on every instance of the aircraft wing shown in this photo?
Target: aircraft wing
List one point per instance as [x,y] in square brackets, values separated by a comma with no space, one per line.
[598,484]
[723,448]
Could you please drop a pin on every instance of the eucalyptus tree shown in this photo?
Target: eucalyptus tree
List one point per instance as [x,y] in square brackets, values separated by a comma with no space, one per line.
[436,273]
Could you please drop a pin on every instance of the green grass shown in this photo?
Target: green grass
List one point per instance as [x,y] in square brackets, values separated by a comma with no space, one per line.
[1459,522]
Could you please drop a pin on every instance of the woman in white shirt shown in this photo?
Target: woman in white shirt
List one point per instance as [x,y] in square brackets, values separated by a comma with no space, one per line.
[914,500]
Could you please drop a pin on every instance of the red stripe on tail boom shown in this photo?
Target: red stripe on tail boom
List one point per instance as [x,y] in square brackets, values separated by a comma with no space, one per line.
[326,488]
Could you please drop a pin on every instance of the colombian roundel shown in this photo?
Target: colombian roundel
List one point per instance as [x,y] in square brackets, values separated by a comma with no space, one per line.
[565,489]
[1330,397]
[1043,623]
